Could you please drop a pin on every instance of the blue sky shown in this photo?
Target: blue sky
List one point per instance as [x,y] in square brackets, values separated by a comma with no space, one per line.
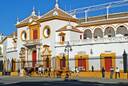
[10,9]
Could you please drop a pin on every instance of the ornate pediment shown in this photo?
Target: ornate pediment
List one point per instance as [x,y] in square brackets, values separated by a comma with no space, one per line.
[46,50]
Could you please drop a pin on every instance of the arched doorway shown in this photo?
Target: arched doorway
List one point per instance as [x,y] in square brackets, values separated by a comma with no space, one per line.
[62,63]
[34,58]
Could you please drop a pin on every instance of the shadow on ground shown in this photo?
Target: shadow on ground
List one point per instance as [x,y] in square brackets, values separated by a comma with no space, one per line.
[63,83]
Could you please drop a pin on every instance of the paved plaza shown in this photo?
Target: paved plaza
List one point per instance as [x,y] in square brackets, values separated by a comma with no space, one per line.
[33,81]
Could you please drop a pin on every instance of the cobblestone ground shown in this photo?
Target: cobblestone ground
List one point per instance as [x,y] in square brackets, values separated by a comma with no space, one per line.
[33,81]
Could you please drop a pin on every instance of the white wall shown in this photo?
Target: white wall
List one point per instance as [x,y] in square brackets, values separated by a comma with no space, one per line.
[97,49]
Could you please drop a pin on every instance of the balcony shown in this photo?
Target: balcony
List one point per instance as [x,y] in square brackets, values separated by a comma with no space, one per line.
[11,49]
[32,42]
[96,41]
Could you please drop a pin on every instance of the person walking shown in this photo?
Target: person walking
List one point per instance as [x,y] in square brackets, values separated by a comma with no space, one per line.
[117,72]
[103,72]
[111,72]
[92,68]
[76,72]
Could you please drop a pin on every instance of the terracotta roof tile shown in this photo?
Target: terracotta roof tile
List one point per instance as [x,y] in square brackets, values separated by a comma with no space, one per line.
[65,28]
[56,12]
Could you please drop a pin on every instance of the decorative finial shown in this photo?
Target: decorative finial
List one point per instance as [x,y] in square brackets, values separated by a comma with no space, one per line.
[56,5]
[17,20]
[33,11]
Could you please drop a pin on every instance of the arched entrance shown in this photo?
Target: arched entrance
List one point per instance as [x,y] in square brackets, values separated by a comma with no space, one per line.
[34,58]
[62,63]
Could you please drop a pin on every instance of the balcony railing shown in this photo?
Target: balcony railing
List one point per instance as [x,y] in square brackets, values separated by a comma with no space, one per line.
[96,41]
[11,49]
[32,42]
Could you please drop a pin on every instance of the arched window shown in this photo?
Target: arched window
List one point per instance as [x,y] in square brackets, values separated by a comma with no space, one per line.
[87,34]
[122,30]
[109,32]
[98,33]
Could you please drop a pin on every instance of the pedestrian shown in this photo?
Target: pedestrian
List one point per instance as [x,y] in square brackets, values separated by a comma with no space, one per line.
[117,72]
[39,70]
[103,72]
[18,72]
[111,72]
[77,72]
[92,68]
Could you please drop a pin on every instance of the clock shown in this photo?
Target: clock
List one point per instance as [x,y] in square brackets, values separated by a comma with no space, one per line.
[46,32]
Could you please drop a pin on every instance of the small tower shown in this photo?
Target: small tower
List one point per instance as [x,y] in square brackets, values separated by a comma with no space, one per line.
[56,5]
[33,11]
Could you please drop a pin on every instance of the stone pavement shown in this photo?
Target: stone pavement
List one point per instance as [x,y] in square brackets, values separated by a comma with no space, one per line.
[13,80]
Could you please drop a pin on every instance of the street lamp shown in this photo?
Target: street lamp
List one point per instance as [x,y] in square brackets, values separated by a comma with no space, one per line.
[125,61]
[67,49]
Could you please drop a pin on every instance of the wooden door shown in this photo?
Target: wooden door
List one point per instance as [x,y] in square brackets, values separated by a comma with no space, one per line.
[82,64]
[108,63]
[34,58]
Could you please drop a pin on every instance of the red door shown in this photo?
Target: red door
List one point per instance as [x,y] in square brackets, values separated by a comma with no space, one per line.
[82,64]
[34,58]
[35,34]
[108,63]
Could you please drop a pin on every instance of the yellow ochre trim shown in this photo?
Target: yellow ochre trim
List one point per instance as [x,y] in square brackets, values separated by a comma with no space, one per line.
[85,56]
[105,55]
[34,27]
[46,27]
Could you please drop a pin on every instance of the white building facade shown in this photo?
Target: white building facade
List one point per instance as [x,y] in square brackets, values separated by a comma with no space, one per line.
[42,40]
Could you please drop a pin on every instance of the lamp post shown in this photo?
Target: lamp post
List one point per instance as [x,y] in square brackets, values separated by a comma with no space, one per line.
[67,49]
[125,61]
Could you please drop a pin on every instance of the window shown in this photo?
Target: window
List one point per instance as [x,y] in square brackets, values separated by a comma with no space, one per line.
[35,34]
[63,38]
[85,36]
[24,35]
[46,32]
[80,36]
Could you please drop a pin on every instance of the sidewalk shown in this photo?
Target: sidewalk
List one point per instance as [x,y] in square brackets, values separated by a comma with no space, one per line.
[9,80]
[112,81]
